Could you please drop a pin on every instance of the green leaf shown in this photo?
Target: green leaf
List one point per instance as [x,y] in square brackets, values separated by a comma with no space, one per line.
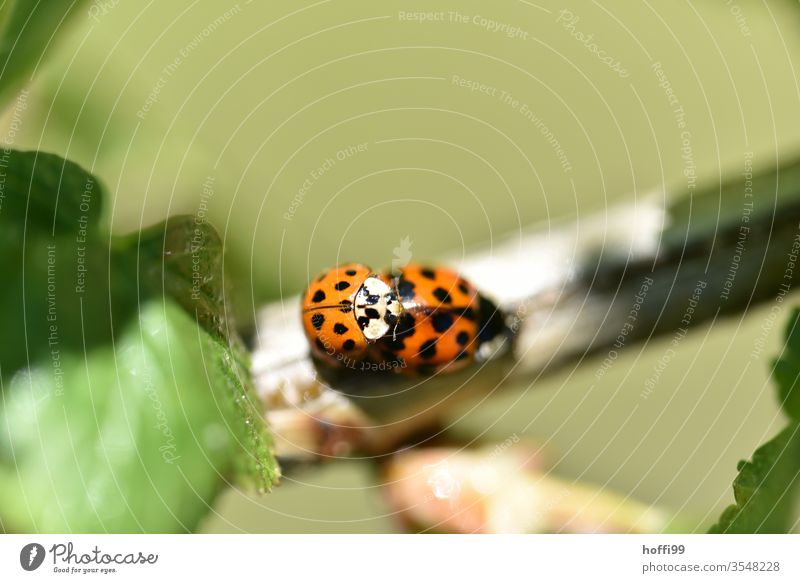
[28,29]
[787,369]
[131,437]
[48,194]
[120,356]
[183,259]
[55,260]
[764,490]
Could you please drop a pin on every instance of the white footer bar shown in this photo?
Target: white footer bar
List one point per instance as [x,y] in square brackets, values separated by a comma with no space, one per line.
[401,558]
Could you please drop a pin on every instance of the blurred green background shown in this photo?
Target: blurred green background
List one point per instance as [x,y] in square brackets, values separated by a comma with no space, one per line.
[330,131]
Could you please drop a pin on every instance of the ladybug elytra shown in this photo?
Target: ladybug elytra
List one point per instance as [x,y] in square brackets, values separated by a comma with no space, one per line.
[428,319]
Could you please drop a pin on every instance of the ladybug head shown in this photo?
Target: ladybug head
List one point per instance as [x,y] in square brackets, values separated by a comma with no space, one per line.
[376,308]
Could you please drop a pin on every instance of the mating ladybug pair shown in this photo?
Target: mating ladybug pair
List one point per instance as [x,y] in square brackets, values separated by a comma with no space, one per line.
[420,319]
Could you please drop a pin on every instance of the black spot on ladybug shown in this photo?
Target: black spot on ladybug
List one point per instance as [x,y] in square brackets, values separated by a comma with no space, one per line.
[462,355]
[428,349]
[349,344]
[347,306]
[372,314]
[442,321]
[317,320]
[395,345]
[404,329]
[406,326]
[390,319]
[428,273]
[363,322]
[442,295]
[405,289]
[318,297]
[463,287]
[339,328]
[351,272]
[492,322]
[342,285]
[468,314]
[320,345]
[372,299]
[462,338]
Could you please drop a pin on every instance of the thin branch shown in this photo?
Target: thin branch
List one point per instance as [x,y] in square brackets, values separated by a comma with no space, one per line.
[567,291]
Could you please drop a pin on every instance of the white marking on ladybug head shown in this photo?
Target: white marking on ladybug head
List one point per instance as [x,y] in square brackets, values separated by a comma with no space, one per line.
[376,308]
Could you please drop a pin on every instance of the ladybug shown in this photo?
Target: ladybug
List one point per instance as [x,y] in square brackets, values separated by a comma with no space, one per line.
[347,308]
[440,323]
[419,320]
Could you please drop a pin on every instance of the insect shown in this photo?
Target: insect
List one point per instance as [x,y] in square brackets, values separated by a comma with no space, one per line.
[347,308]
[420,320]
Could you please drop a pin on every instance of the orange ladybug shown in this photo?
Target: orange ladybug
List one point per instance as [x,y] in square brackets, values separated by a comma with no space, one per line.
[420,320]
[347,308]
[440,321]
